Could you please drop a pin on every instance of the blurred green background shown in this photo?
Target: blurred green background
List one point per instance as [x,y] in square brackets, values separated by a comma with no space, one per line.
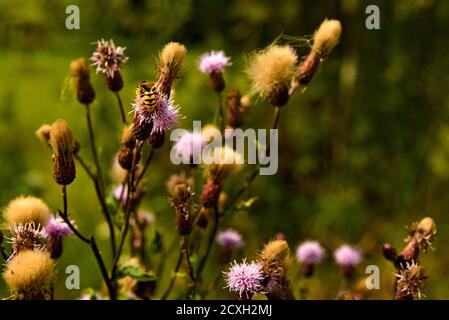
[363,152]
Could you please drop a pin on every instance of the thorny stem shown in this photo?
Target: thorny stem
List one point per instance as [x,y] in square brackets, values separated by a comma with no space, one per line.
[173,278]
[98,180]
[90,241]
[209,243]
[137,150]
[122,110]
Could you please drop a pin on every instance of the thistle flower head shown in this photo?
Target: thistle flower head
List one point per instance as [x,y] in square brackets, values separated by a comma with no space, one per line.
[158,121]
[422,233]
[182,200]
[244,278]
[56,227]
[23,210]
[27,236]
[214,61]
[271,72]
[189,145]
[225,161]
[347,256]
[170,64]
[310,252]
[275,256]
[43,133]
[326,37]
[230,239]
[108,58]
[63,144]
[29,274]
[410,281]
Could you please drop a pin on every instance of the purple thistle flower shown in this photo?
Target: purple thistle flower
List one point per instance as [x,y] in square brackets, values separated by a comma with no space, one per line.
[347,256]
[189,146]
[310,252]
[163,118]
[214,61]
[230,239]
[107,58]
[56,227]
[244,278]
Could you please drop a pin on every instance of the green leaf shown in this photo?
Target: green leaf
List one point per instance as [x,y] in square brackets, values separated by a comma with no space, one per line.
[136,273]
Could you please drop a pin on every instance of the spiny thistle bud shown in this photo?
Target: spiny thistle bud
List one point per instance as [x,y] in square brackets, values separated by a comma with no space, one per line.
[29,275]
[326,37]
[43,134]
[211,193]
[389,252]
[410,281]
[181,200]
[115,83]
[80,73]
[24,210]
[235,110]
[170,64]
[27,236]
[271,72]
[63,144]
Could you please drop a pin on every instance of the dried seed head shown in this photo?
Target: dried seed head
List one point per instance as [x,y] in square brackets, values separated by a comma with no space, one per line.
[29,275]
[24,210]
[63,145]
[410,281]
[271,72]
[79,69]
[181,200]
[80,73]
[427,227]
[275,256]
[226,161]
[308,68]
[170,64]
[326,37]
[43,134]
[27,236]
[176,179]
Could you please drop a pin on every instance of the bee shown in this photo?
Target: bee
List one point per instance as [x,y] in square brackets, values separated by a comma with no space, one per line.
[147,90]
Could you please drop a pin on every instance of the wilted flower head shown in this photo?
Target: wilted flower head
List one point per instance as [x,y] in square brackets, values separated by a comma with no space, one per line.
[230,239]
[27,236]
[24,210]
[271,72]
[63,144]
[310,252]
[326,37]
[410,281]
[181,200]
[224,162]
[176,179]
[107,58]
[29,275]
[347,256]
[56,227]
[214,61]
[275,256]
[244,278]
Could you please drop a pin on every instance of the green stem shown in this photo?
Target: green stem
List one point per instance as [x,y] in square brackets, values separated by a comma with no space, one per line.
[175,272]
[122,110]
